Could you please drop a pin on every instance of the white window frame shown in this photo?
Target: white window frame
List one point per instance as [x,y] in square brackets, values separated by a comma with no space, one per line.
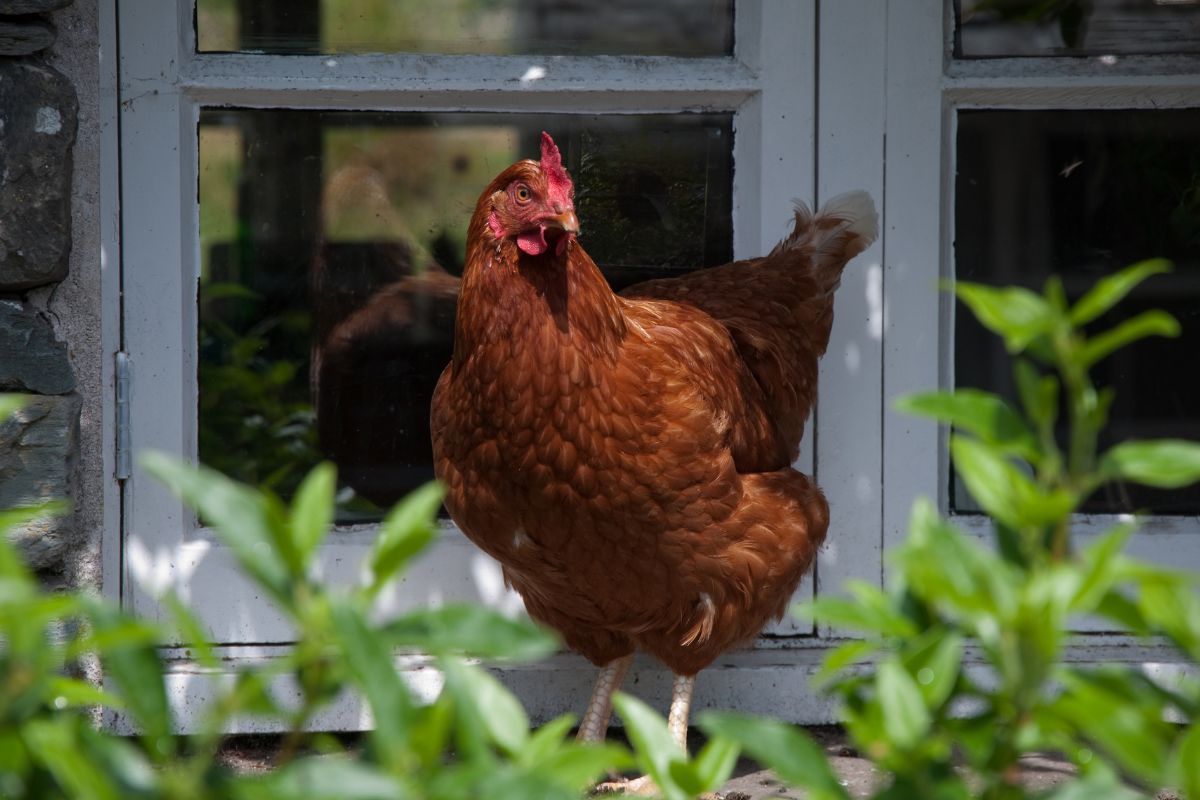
[827,96]
[926,89]
[771,85]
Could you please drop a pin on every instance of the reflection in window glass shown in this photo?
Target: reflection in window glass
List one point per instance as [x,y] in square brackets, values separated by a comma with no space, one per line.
[1112,28]
[1081,194]
[534,27]
[331,245]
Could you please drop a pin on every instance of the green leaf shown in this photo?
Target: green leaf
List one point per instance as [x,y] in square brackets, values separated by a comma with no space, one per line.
[952,572]
[470,630]
[841,657]
[69,692]
[578,766]
[370,665]
[1098,567]
[1018,315]
[546,739]
[714,763]
[333,778]
[134,667]
[1187,761]
[652,742]
[191,631]
[1098,785]
[431,730]
[485,705]
[1131,731]
[1039,393]
[1161,463]
[906,720]
[54,743]
[935,660]
[406,530]
[1149,323]
[240,516]
[312,509]
[1111,289]
[783,748]
[981,413]
[1002,490]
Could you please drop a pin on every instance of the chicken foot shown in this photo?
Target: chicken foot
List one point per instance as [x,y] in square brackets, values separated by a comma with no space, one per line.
[677,723]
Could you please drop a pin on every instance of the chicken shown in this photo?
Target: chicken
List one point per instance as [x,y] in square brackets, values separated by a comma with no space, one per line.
[626,458]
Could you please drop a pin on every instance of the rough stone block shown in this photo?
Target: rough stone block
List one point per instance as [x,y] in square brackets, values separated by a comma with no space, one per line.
[31,359]
[39,448]
[38,112]
[32,6]
[25,37]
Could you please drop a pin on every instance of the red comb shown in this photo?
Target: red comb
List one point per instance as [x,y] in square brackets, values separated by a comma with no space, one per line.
[556,176]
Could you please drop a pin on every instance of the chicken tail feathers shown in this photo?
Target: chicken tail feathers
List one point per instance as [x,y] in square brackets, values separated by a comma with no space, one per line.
[844,227]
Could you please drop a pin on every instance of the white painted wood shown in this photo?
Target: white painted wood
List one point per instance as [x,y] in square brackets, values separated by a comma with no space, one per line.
[1171,541]
[595,83]
[771,684]
[159,302]
[110,294]
[916,333]
[850,140]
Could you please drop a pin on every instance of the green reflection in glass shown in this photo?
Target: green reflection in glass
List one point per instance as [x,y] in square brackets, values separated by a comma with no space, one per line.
[535,27]
[331,244]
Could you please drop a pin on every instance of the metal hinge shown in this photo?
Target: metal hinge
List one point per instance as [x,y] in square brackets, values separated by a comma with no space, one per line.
[123,459]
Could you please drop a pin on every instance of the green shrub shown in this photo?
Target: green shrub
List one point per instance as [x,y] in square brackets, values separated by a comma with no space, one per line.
[474,740]
[909,704]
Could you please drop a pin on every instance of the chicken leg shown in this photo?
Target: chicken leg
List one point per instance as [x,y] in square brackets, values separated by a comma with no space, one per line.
[594,724]
[677,723]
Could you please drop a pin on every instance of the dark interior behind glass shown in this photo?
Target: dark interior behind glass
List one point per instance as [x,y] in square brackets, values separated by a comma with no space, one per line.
[1081,194]
[331,245]
[1107,29]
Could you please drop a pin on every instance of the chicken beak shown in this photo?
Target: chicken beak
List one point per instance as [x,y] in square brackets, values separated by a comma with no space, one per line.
[567,221]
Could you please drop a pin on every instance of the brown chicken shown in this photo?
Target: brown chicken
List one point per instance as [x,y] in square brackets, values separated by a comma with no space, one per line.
[626,458]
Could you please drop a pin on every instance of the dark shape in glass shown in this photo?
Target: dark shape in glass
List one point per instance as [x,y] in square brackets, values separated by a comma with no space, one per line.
[1106,28]
[331,248]
[1081,194]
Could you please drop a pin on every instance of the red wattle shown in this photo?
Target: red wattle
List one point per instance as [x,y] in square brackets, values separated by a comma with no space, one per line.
[533,242]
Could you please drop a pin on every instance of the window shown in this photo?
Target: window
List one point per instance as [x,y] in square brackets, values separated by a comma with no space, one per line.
[1060,146]
[291,169]
[288,173]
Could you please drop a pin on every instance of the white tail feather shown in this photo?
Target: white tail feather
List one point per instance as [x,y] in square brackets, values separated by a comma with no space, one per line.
[858,209]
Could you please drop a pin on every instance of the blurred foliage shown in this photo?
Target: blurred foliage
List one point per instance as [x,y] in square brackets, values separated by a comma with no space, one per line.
[908,703]
[473,740]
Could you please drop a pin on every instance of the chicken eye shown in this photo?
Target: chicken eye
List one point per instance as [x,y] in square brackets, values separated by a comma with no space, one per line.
[523,194]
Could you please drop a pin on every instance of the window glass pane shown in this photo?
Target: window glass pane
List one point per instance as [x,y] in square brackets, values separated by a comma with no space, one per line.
[331,243]
[543,27]
[1082,194]
[1111,28]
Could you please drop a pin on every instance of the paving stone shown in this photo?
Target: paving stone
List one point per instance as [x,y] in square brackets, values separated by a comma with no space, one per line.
[39,448]
[31,359]
[38,112]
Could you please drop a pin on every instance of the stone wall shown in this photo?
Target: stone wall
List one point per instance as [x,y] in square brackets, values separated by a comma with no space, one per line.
[41,264]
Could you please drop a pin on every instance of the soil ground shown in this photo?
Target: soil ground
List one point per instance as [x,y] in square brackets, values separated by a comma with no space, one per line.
[749,782]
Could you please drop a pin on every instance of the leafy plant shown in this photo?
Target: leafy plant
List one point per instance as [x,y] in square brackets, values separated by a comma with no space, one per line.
[909,702]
